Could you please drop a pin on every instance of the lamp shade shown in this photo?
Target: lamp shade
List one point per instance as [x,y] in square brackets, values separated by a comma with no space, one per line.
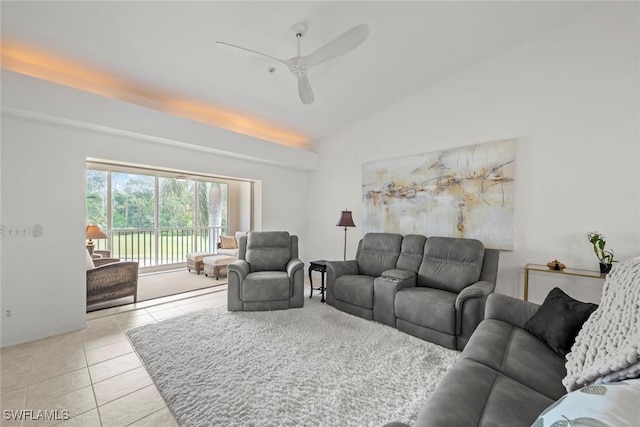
[94,232]
[345,220]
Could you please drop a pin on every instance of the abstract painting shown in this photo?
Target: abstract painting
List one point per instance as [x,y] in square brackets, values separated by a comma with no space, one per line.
[460,192]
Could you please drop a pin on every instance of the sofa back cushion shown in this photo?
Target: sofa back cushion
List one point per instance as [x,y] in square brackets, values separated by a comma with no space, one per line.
[228,242]
[378,252]
[270,250]
[450,264]
[411,252]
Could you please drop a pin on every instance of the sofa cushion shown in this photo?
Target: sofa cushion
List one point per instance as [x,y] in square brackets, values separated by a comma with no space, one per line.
[430,308]
[517,354]
[558,321]
[378,252]
[228,252]
[266,286]
[228,242]
[411,252]
[451,264]
[355,289]
[471,394]
[268,251]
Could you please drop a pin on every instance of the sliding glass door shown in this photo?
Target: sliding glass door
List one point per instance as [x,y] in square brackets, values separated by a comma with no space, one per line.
[154,218]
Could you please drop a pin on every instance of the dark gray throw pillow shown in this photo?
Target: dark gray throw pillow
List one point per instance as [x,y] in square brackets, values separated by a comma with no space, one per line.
[558,321]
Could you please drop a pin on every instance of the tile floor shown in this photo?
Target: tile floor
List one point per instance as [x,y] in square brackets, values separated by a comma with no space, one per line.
[94,374]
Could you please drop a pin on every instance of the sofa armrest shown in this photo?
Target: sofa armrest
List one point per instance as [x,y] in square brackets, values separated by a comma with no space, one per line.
[477,290]
[103,253]
[111,273]
[336,269]
[470,307]
[104,261]
[340,268]
[107,279]
[385,289]
[236,273]
[399,275]
[241,268]
[295,271]
[508,309]
[293,266]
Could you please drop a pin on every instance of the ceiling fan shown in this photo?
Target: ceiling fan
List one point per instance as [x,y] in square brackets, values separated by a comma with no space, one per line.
[300,65]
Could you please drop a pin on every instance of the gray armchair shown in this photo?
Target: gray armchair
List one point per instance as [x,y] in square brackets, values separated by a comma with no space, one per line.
[112,279]
[267,275]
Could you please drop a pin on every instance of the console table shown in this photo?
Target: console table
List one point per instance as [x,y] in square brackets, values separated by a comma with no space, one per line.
[592,274]
[320,266]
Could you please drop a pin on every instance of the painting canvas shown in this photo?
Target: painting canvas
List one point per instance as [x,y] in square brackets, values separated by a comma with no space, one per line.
[461,192]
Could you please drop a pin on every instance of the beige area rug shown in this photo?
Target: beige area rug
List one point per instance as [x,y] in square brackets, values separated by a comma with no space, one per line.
[156,285]
[311,366]
[162,284]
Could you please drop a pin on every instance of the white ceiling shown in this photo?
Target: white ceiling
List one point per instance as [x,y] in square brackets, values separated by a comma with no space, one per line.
[171,46]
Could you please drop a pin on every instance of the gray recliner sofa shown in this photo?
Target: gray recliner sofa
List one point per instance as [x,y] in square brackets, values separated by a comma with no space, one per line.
[350,283]
[267,275]
[505,376]
[434,288]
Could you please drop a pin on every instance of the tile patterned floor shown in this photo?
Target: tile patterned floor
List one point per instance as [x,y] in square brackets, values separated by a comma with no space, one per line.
[94,374]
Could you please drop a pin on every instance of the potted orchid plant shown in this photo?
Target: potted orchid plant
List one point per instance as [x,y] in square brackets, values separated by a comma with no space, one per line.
[605,256]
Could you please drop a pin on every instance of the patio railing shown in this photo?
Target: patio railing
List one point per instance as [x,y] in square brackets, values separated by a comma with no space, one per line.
[164,246]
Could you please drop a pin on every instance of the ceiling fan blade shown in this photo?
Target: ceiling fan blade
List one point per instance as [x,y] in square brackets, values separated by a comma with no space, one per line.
[247,52]
[338,46]
[304,89]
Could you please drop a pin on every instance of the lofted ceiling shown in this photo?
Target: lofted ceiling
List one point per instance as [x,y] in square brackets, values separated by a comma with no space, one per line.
[163,54]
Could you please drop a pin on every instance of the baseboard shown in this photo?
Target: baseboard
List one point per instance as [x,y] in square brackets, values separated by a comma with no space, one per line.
[20,339]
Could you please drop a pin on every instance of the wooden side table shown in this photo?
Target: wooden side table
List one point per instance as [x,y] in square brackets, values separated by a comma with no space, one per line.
[320,266]
[592,274]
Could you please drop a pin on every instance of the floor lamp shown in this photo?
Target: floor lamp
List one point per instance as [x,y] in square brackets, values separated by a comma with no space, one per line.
[345,221]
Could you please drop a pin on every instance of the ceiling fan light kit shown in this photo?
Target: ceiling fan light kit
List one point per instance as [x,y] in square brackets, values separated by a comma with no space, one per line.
[300,65]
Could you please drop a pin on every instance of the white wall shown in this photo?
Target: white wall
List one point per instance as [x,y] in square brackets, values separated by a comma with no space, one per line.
[570,98]
[43,182]
[239,206]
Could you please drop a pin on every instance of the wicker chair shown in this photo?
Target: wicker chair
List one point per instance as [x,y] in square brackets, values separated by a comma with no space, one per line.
[112,279]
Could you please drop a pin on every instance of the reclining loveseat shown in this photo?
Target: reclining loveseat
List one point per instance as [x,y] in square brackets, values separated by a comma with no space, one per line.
[434,288]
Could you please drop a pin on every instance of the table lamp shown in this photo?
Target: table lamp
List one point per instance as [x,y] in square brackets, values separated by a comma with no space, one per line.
[93,232]
[345,221]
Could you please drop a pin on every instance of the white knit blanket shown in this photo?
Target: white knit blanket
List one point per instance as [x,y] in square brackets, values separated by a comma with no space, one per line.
[607,347]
